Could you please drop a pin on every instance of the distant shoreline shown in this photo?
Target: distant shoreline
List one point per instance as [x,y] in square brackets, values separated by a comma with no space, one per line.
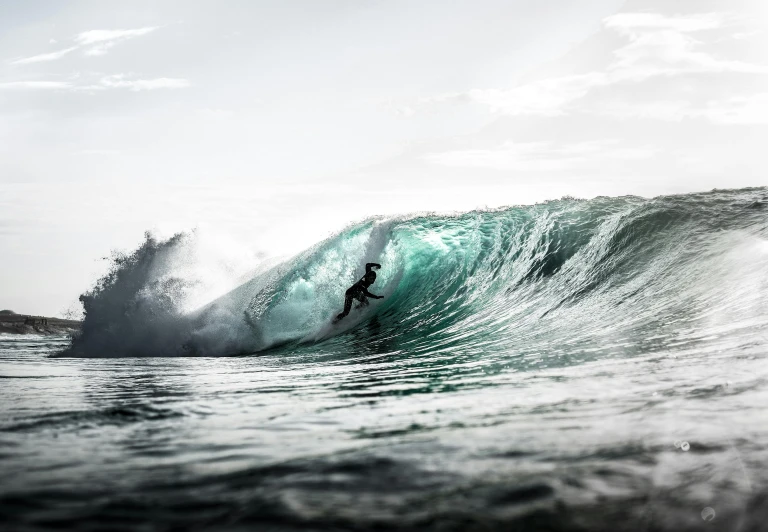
[40,325]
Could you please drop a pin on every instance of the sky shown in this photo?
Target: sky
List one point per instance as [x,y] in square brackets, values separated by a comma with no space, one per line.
[273,124]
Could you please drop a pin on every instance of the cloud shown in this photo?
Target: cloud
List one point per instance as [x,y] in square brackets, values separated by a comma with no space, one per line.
[100,41]
[100,36]
[36,85]
[661,110]
[52,56]
[656,46]
[546,97]
[99,152]
[540,156]
[742,110]
[660,45]
[215,114]
[637,22]
[99,50]
[119,81]
[95,42]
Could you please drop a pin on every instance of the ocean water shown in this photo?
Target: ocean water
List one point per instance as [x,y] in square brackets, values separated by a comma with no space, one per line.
[573,365]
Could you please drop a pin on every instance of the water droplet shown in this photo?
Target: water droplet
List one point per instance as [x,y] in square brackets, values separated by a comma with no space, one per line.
[708,514]
[685,446]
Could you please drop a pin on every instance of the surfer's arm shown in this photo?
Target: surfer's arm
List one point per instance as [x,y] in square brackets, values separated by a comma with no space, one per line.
[371,265]
[374,296]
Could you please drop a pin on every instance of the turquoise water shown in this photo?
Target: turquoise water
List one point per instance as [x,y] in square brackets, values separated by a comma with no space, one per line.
[574,365]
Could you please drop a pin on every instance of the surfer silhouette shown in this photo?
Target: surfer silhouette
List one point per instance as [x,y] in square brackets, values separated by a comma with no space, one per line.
[359,290]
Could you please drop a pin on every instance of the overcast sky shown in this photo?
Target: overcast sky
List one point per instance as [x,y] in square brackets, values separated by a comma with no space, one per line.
[277,122]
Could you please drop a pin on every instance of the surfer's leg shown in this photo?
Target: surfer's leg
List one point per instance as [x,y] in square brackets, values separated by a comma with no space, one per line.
[347,306]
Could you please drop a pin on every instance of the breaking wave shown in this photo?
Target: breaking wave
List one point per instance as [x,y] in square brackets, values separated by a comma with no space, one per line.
[525,280]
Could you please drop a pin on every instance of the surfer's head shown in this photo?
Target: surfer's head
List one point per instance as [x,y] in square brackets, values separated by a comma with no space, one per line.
[369,278]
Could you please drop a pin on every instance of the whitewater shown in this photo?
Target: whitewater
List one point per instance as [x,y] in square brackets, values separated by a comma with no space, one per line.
[571,365]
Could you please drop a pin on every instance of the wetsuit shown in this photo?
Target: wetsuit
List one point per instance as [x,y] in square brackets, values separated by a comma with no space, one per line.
[359,290]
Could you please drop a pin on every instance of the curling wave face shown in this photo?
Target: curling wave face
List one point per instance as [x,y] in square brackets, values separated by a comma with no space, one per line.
[535,284]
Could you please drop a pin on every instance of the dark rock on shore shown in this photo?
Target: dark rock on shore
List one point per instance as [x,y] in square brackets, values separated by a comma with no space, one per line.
[12,323]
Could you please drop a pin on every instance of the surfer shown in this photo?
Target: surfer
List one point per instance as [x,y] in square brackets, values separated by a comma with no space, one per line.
[359,290]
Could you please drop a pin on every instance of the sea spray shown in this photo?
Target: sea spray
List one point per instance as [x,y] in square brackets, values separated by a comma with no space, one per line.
[143,303]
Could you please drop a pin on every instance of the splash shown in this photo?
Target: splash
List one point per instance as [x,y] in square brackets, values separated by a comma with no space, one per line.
[143,304]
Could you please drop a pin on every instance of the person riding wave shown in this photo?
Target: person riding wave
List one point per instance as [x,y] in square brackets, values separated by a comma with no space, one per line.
[359,290]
